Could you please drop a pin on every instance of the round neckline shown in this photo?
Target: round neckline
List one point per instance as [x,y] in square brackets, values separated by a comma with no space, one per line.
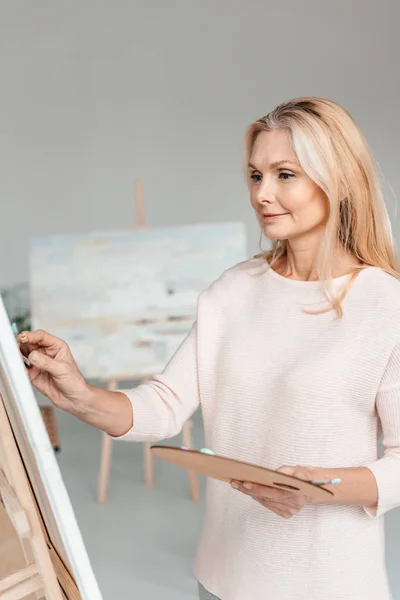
[301,283]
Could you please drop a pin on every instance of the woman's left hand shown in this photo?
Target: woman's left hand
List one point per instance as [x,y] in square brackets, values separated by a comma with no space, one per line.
[284,503]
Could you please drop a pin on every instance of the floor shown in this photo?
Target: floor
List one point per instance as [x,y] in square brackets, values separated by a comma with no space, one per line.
[142,541]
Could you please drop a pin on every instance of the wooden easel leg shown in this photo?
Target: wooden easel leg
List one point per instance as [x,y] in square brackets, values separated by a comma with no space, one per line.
[187,441]
[105,458]
[148,457]
[104,473]
[148,465]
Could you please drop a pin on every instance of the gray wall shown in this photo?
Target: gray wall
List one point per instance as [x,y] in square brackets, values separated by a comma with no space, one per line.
[96,93]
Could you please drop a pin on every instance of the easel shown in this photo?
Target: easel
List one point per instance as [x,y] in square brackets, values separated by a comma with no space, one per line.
[112,384]
[43,574]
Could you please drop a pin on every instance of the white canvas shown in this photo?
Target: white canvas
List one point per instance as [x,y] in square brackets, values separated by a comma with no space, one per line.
[40,461]
[124,301]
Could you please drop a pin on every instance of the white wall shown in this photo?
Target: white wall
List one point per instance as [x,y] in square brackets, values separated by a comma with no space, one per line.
[96,93]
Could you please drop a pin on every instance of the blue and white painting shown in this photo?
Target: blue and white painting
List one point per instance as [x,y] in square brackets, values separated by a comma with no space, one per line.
[124,301]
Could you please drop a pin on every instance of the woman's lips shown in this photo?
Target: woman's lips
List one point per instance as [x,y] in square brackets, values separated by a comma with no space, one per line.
[269,217]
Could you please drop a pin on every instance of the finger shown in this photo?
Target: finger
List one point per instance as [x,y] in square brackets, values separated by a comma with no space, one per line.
[287,470]
[33,372]
[282,511]
[284,504]
[275,507]
[301,472]
[42,338]
[262,491]
[45,363]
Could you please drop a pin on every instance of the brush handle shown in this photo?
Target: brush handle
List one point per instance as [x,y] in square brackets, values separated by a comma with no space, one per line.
[335,481]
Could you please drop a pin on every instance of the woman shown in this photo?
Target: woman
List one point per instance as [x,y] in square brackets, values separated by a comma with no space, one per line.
[295,360]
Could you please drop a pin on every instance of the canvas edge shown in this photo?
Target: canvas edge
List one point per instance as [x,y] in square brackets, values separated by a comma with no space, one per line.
[56,491]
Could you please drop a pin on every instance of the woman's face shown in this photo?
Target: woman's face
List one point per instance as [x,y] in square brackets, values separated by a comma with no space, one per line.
[288,204]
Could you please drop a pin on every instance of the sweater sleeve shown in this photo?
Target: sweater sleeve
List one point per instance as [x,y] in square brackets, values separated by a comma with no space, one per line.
[386,470]
[163,404]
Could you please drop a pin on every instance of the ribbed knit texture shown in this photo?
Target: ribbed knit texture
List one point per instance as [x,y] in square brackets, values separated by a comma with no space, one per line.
[278,386]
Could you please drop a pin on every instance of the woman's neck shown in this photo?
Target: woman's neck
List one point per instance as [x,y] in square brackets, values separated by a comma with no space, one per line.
[301,264]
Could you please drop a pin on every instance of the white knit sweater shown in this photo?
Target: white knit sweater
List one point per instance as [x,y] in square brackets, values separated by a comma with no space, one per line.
[278,386]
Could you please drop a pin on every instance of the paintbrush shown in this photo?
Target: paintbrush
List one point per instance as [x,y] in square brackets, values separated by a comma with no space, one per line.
[23,346]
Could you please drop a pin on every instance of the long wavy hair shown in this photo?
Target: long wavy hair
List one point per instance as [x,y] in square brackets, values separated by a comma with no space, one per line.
[334,154]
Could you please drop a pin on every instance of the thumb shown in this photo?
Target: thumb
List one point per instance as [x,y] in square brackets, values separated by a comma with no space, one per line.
[299,471]
[45,363]
[287,470]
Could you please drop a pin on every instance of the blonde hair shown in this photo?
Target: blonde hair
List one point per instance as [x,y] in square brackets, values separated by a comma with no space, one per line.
[334,154]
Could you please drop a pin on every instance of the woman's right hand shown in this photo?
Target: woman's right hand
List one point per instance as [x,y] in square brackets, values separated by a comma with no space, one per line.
[54,371]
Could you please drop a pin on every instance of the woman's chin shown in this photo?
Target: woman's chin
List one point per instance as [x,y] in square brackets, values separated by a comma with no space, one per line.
[275,233]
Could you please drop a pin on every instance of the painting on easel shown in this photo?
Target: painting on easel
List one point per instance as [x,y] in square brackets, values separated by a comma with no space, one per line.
[124,301]
[33,492]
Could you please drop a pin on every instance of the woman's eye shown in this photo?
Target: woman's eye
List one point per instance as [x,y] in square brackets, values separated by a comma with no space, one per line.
[256,177]
[285,176]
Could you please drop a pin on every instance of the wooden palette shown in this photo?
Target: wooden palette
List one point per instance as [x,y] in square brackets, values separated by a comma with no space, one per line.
[227,469]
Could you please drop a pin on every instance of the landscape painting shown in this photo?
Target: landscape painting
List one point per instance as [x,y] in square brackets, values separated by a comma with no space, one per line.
[125,300]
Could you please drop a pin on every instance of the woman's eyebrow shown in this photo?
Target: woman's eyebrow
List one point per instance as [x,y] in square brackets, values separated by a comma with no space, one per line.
[277,163]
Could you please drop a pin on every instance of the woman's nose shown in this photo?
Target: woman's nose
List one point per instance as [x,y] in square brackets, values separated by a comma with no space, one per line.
[265,195]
